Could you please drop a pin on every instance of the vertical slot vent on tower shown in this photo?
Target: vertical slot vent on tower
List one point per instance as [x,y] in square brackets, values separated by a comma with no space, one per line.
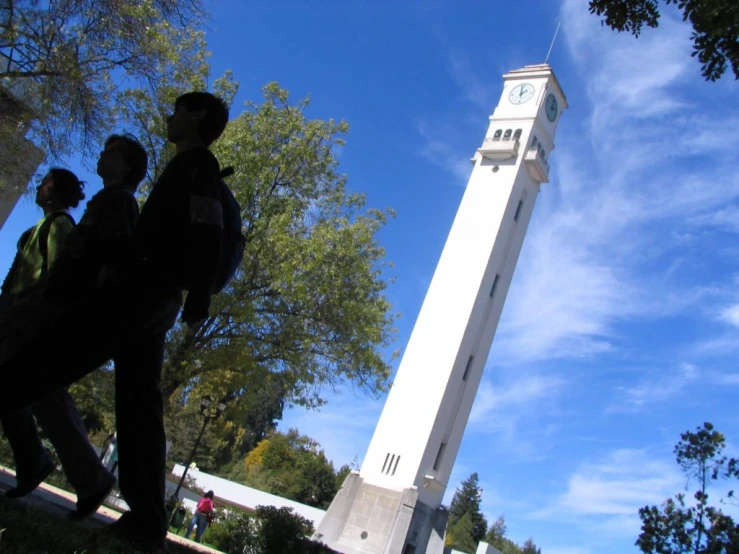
[387,457]
[467,368]
[518,210]
[439,456]
[495,285]
[386,470]
[395,467]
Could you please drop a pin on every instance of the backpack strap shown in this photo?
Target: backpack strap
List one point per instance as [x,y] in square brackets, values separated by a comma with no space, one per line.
[43,237]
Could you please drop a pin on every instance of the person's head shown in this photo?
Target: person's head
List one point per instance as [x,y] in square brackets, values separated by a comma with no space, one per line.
[197,116]
[123,161]
[208,494]
[60,189]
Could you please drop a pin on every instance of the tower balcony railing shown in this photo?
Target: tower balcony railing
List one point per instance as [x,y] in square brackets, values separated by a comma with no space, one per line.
[497,149]
[537,165]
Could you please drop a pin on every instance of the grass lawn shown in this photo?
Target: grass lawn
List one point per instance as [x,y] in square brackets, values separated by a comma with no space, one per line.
[30,530]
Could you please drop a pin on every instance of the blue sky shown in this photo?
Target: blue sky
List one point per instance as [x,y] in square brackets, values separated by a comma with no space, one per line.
[621,328]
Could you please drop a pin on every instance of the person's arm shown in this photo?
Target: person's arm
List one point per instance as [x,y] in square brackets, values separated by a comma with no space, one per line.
[204,239]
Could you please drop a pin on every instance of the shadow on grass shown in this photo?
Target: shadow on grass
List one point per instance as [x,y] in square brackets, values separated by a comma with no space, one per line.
[30,530]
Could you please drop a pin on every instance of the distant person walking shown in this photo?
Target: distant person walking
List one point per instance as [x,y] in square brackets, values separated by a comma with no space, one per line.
[202,517]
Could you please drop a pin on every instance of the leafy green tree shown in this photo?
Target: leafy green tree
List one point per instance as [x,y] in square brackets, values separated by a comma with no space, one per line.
[95,398]
[679,526]
[466,501]
[290,465]
[65,60]
[715,27]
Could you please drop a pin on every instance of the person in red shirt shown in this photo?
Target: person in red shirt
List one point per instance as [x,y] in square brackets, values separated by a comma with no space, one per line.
[203,516]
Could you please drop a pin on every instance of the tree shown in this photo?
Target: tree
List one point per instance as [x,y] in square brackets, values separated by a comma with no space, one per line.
[715,27]
[95,398]
[678,526]
[290,465]
[460,535]
[530,548]
[466,502]
[65,58]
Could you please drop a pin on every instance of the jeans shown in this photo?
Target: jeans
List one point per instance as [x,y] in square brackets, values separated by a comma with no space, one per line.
[58,416]
[201,521]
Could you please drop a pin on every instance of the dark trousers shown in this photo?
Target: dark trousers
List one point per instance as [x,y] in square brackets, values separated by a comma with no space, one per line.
[126,319]
[58,416]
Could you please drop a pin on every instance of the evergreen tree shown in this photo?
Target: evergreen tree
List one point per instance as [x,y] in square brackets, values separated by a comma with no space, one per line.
[467,500]
[460,535]
[496,537]
[530,548]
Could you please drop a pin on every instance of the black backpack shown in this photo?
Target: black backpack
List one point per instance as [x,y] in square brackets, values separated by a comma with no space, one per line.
[232,239]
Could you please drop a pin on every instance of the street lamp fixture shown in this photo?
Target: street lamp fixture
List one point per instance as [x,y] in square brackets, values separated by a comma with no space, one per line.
[210,414]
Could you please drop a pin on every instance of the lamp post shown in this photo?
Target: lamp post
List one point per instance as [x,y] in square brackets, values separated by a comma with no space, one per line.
[210,414]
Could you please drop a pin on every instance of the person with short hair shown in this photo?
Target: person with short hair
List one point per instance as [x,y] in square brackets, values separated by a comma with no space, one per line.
[202,517]
[175,248]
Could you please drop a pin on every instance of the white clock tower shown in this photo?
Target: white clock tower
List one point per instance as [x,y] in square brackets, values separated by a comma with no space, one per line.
[393,504]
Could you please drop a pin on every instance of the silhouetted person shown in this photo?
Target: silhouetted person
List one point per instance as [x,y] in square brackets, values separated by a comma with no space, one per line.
[92,250]
[39,250]
[175,247]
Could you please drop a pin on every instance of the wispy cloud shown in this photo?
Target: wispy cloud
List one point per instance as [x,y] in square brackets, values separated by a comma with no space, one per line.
[606,495]
[441,153]
[622,182]
[665,387]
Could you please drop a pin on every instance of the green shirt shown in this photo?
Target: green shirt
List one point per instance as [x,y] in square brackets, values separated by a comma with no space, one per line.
[31,264]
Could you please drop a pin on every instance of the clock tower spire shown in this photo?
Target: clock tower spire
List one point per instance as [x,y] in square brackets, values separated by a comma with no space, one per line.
[393,504]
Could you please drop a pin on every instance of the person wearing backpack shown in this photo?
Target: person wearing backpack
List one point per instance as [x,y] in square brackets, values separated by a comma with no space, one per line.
[202,517]
[39,251]
[176,247]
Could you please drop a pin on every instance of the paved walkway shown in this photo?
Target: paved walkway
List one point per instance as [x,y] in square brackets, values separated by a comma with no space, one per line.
[61,502]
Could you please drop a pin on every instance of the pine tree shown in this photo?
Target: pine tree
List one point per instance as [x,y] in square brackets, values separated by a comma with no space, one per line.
[467,500]
[530,548]
[460,535]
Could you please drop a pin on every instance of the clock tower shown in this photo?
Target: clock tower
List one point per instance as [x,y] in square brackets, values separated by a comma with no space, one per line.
[393,504]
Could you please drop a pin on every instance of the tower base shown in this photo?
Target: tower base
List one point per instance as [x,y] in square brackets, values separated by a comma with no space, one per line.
[365,519]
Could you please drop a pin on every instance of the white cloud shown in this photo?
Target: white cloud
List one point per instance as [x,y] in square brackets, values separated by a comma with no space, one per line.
[730,314]
[504,401]
[441,153]
[605,496]
[665,387]
[649,163]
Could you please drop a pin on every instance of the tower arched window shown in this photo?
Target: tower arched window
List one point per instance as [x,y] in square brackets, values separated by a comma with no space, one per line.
[517,134]
[534,142]
[507,134]
[497,134]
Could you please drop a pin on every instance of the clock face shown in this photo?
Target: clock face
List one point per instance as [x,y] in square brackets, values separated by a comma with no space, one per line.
[551,107]
[522,93]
